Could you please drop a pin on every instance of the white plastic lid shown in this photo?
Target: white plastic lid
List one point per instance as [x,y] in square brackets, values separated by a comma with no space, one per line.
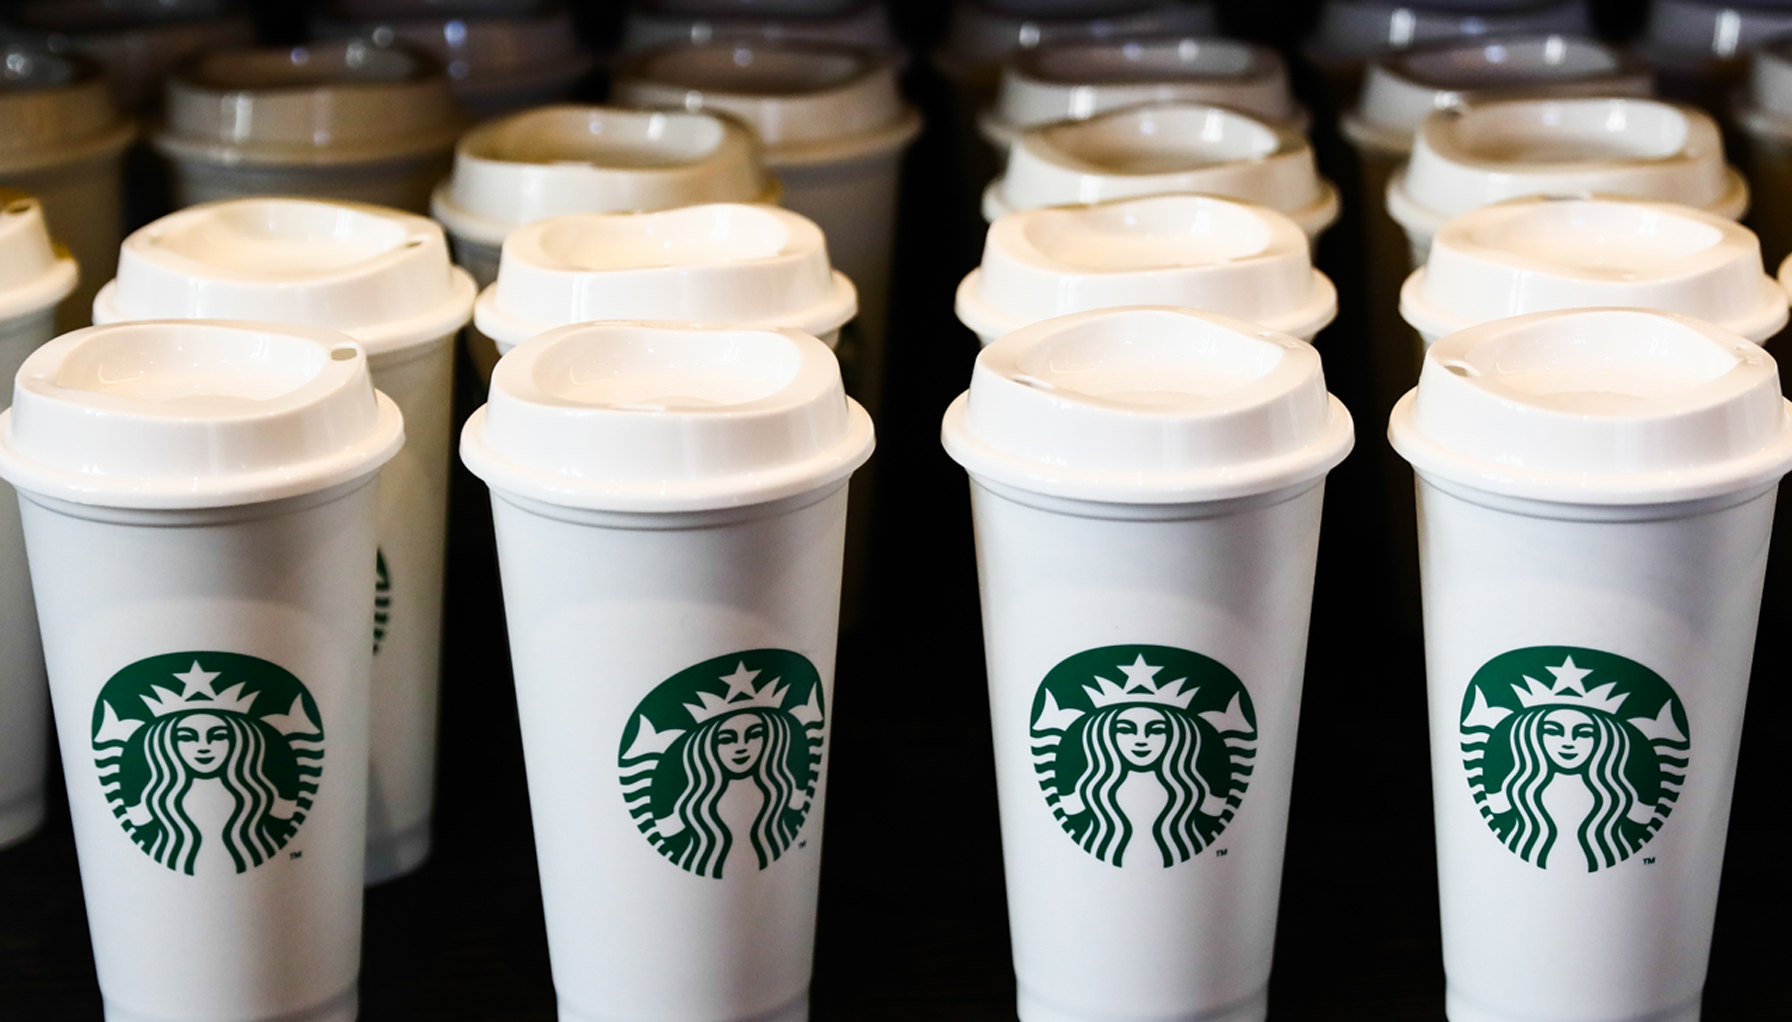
[717,263]
[1147,405]
[1352,31]
[1195,251]
[1161,149]
[1073,81]
[136,41]
[980,37]
[807,102]
[1540,254]
[194,414]
[1766,107]
[1597,406]
[1688,33]
[1480,153]
[33,274]
[332,102]
[1401,90]
[666,417]
[381,276]
[865,25]
[565,159]
[55,109]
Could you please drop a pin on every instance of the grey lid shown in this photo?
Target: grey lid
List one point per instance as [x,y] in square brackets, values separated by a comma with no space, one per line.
[55,108]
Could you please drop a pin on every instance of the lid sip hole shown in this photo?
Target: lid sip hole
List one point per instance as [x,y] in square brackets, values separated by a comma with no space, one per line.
[343,354]
[20,207]
[1462,369]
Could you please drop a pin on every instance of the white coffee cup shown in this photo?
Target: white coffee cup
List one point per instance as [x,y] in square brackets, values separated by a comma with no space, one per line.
[1195,251]
[1596,491]
[33,278]
[198,503]
[341,119]
[670,506]
[1164,148]
[61,140]
[1486,151]
[1701,51]
[137,43]
[1146,485]
[1764,115]
[384,278]
[1540,254]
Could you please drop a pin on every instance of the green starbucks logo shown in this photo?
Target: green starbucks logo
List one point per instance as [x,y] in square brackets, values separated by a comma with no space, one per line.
[1133,740]
[719,763]
[209,760]
[1569,749]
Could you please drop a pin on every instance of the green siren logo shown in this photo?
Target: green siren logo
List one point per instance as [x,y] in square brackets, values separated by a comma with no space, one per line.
[1569,749]
[209,760]
[720,761]
[1132,740]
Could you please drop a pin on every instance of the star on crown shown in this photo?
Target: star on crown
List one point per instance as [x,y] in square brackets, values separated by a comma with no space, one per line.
[1140,688]
[197,694]
[741,695]
[1569,689]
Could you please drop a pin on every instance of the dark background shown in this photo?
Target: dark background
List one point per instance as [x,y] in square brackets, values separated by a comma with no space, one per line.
[913,923]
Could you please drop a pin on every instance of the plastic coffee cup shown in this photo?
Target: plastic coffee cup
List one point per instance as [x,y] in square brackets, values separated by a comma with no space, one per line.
[136,42]
[1146,486]
[1482,152]
[1351,33]
[61,140]
[198,503]
[383,278]
[670,505]
[1165,148]
[339,119]
[1192,251]
[33,278]
[1075,81]
[865,25]
[497,63]
[1596,491]
[1765,117]
[1701,50]
[559,160]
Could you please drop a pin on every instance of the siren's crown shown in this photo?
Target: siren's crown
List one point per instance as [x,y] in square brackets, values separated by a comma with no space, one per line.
[196,695]
[1139,688]
[741,695]
[1569,690]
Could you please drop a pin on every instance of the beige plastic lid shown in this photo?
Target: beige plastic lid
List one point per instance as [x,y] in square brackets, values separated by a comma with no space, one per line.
[1147,405]
[1165,148]
[1402,89]
[381,276]
[1484,152]
[981,36]
[333,102]
[864,25]
[809,103]
[716,263]
[1597,406]
[1074,81]
[34,275]
[557,160]
[1690,36]
[1540,254]
[55,109]
[1765,109]
[1195,251]
[136,41]
[1353,31]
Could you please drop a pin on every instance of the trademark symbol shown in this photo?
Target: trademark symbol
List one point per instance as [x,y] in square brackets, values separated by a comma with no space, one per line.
[294,855]
[1219,853]
[1650,861]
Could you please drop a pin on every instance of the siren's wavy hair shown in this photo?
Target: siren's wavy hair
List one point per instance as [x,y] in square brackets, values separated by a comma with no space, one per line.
[1110,832]
[1601,835]
[243,772]
[706,779]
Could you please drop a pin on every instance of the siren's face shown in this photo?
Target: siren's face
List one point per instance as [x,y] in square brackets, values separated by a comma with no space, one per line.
[202,741]
[1568,738]
[1141,732]
[740,741]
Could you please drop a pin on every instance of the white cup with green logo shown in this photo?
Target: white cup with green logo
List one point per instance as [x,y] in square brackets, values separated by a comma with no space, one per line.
[384,278]
[34,277]
[1146,485]
[199,511]
[670,508]
[1596,491]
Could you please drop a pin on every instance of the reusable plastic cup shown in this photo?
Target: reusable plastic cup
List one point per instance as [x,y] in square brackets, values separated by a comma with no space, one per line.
[1485,151]
[497,62]
[198,501]
[1193,251]
[136,41]
[61,140]
[1163,148]
[1700,50]
[861,23]
[1146,486]
[557,160]
[1075,81]
[383,278]
[1765,116]
[670,504]
[834,128]
[336,119]
[33,278]
[1596,491]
